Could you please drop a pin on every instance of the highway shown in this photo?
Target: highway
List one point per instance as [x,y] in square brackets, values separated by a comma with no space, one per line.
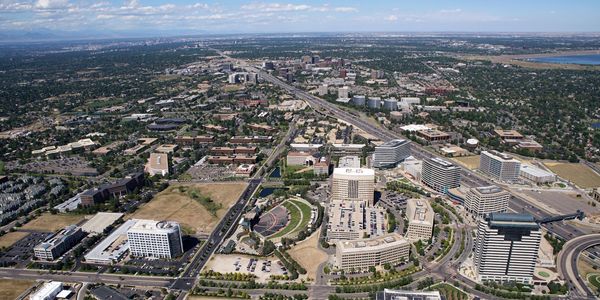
[144,281]
[567,264]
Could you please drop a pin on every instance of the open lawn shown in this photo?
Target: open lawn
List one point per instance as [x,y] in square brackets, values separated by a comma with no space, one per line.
[11,289]
[450,292]
[188,205]
[50,222]
[594,279]
[10,238]
[305,208]
[308,254]
[470,162]
[579,174]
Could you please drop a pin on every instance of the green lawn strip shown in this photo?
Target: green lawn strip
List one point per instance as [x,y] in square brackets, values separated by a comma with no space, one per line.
[305,208]
[294,220]
[594,279]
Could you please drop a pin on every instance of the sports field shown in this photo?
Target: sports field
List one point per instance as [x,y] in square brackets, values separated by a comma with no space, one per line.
[579,174]
[187,206]
[50,222]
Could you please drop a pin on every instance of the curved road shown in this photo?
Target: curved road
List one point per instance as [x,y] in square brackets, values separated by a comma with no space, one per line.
[567,263]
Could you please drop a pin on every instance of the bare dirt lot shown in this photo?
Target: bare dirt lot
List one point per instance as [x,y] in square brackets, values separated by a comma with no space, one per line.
[175,205]
[226,263]
[579,174]
[11,289]
[10,238]
[471,162]
[50,222]
[308,254]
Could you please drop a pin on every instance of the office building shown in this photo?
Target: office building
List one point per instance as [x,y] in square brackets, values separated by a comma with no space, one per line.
[486,199]
[343,92]
[156,239]
[390,153]
[506,248]
[420,220]
[361,254]
[349,162]
[353,184]
[413,167]
[323,90]
[388,294]
[499,165]
[440,175]
[374,102]
[57,244]
[390,104]
[158,164]
[359,100]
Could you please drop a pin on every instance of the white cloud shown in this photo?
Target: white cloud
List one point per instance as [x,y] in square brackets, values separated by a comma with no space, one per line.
[346,9]
[51,4]
[391,18]
[275,7]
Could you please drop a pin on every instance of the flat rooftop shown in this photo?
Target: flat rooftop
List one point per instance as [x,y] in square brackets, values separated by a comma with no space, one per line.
[374,243]
[100,221]
[491,189]
[442,162]
[354,171]
[394,143]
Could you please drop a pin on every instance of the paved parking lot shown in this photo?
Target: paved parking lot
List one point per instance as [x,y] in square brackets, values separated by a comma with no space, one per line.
[232,263]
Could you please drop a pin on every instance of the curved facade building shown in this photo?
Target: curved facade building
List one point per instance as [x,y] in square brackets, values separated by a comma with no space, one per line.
[486,199]
[440,175]
[155,239]
[391,153]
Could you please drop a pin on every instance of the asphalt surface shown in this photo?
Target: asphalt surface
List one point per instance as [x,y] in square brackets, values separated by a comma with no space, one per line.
[567,264]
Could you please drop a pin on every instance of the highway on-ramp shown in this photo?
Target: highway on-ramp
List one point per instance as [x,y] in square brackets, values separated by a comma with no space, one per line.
[567,263]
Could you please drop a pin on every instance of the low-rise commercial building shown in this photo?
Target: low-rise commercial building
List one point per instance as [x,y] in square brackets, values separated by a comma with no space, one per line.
[388,294]
[433,136]
[353,220]
[537,175]
[48,291]
[59,243]
[361,254]
[420,220]
[158,164]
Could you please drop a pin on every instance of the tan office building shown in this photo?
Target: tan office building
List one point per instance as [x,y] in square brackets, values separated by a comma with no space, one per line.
[420,220]
[353,184]
[361,254]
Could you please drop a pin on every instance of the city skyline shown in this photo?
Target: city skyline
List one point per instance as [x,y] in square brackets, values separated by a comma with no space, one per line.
[174,17]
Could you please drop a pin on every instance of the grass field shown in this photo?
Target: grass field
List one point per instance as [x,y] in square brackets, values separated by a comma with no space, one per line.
[594,279]
[450,292]
[50,222]
[11,289]
[305,208]
[470,162]
[10,238]
[175,204]
[308,254]
[579,174]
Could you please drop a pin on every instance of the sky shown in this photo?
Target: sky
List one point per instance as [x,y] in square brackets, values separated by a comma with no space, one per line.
[191,16]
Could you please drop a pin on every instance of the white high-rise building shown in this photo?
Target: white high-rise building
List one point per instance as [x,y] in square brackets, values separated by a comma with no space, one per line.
[499,165]
[343,92]
[486,199]
[323,90]
[353,184]
[440,175]
[390,153]
[156,239]
[506,247]
[420,220]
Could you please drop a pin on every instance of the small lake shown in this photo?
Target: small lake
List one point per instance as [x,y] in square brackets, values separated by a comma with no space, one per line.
[268,191]
[596,125]
[586,59]
[276,173]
